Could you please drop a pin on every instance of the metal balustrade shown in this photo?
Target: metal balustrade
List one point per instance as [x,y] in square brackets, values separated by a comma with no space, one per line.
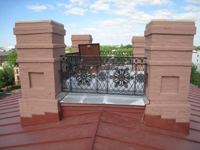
[103,74]
[109,53]
[117,53]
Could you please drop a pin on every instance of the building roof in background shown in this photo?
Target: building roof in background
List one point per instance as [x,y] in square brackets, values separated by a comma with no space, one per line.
[96,130]
[6,53]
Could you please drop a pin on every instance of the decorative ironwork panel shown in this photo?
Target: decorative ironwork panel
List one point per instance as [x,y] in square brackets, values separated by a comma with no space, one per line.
[117,53]
[103,74]
[76,53]
[109,53]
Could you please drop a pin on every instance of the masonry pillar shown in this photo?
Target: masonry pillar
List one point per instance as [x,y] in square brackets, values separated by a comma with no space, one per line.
[168,49]
[138,43]
[39,46]
[80,39]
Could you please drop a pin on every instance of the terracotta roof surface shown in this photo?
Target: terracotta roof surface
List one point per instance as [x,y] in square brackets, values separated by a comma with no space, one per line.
[100,130]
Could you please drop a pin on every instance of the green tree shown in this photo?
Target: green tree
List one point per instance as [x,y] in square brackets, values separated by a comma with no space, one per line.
[6,75]
[197,48]
[121,47]
[195,76]
[128,46]
[69,50]
[11,58]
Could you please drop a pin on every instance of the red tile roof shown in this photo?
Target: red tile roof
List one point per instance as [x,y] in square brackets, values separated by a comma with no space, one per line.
[95,130]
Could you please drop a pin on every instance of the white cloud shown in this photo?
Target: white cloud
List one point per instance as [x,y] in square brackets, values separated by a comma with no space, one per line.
[64,5]
[162,14]
[114,36]
[134,26]
[98,5]
[144,18]
[191,8]
[74,3]
[72,25]
[76,11]
[135,23]
[50,6]
[140,17]
[125,7]
[90,29]
[125,3]
[124,12]
[189,15]
[193,1]
[71,31]
[166,2]
[39,8]
[111,23]
[80,2]
[127,12]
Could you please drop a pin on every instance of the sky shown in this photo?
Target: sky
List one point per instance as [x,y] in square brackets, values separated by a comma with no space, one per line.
[110,22]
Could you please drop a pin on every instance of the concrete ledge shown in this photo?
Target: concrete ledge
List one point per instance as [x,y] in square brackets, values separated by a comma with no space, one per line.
[93,98]
[61,95]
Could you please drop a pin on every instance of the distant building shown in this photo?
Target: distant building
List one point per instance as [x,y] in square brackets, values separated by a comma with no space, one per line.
[196,59]
[3,55]
[4,52]
[16,75]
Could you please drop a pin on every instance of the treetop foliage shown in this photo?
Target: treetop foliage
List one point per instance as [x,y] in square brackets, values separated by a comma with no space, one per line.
[197,48]
[195,76]
[11,59]
[121,48]
[69,50]
[6,75]
[111,48]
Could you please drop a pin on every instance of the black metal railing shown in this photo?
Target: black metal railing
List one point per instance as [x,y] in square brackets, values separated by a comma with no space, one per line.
[75,53]
[117,53]
[103,74]
[110,53]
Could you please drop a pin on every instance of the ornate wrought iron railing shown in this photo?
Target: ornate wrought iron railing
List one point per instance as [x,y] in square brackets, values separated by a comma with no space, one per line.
[110,53]
[103,74]
[117,53]
[76,53]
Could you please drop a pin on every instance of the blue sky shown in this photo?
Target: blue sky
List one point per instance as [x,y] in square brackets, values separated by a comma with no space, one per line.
[110,22]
